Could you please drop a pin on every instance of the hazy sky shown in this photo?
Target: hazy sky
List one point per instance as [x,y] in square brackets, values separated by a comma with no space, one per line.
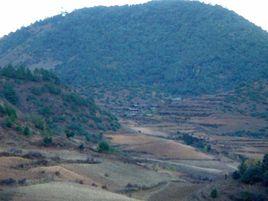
[17,13]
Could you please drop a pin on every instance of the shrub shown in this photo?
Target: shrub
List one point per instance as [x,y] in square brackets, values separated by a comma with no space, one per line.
[81,147]
[45,111]
[8,181]
[11,112]
[8,122]
[236,175]
[39,122]
[37,91]
[77,129]
[103,147]
[52,88]
[27,131]
[47,141]
[214,193]
[19,128]
[249,196]
[75,100]
[8,110]
[69,133]
[88,137]
[242,167]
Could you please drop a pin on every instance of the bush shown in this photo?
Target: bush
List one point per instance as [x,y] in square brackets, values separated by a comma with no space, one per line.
[39,122]
[242,167]
[8,181]
[47,141]
[81,147]
[45,111]
[214,193]
[19,129]
[69,133]
[37,91]
[9,111]
[52,88]
[236,175]
[27,131]
[88,137]
[249,196]
[103,147]
[75,100]
[8,123]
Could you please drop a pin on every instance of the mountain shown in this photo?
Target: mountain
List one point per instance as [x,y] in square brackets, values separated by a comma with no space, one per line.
[176,47]
[36,104]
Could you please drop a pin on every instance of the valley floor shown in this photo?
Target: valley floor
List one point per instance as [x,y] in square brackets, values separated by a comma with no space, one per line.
[148,165]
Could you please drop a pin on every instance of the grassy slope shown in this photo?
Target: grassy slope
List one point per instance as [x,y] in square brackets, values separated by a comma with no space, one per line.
[63,192]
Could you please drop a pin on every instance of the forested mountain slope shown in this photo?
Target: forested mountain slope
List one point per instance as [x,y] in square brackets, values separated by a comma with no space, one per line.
[36,104]
[179,47]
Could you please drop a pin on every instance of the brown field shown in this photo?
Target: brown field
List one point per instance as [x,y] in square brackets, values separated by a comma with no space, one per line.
[174,192]
[158,147]
[59,173]
[8,168]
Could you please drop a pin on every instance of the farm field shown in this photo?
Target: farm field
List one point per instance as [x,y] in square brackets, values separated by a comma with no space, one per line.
[157,147]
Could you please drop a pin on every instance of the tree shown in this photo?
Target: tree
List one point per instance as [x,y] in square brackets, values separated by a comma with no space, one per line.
[242,167]
[236,175]
[265,162]
[69,133]
[10,94]
[103,147]
[214,193]
[252,175]
[8,122]
[81,147]
[47,141]
[26,131]
[39,122]
[265,178]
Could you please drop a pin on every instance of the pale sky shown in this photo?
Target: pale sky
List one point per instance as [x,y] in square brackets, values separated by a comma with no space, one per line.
[17,13]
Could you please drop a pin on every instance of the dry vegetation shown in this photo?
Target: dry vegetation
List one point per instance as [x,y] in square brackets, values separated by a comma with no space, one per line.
[57,191]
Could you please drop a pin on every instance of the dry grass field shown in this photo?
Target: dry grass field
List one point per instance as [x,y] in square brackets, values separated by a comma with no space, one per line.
[157,147]
[59,191]
[116,175]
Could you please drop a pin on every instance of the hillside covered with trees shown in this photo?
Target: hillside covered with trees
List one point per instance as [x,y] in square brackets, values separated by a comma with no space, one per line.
[34,103]
[178,47]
